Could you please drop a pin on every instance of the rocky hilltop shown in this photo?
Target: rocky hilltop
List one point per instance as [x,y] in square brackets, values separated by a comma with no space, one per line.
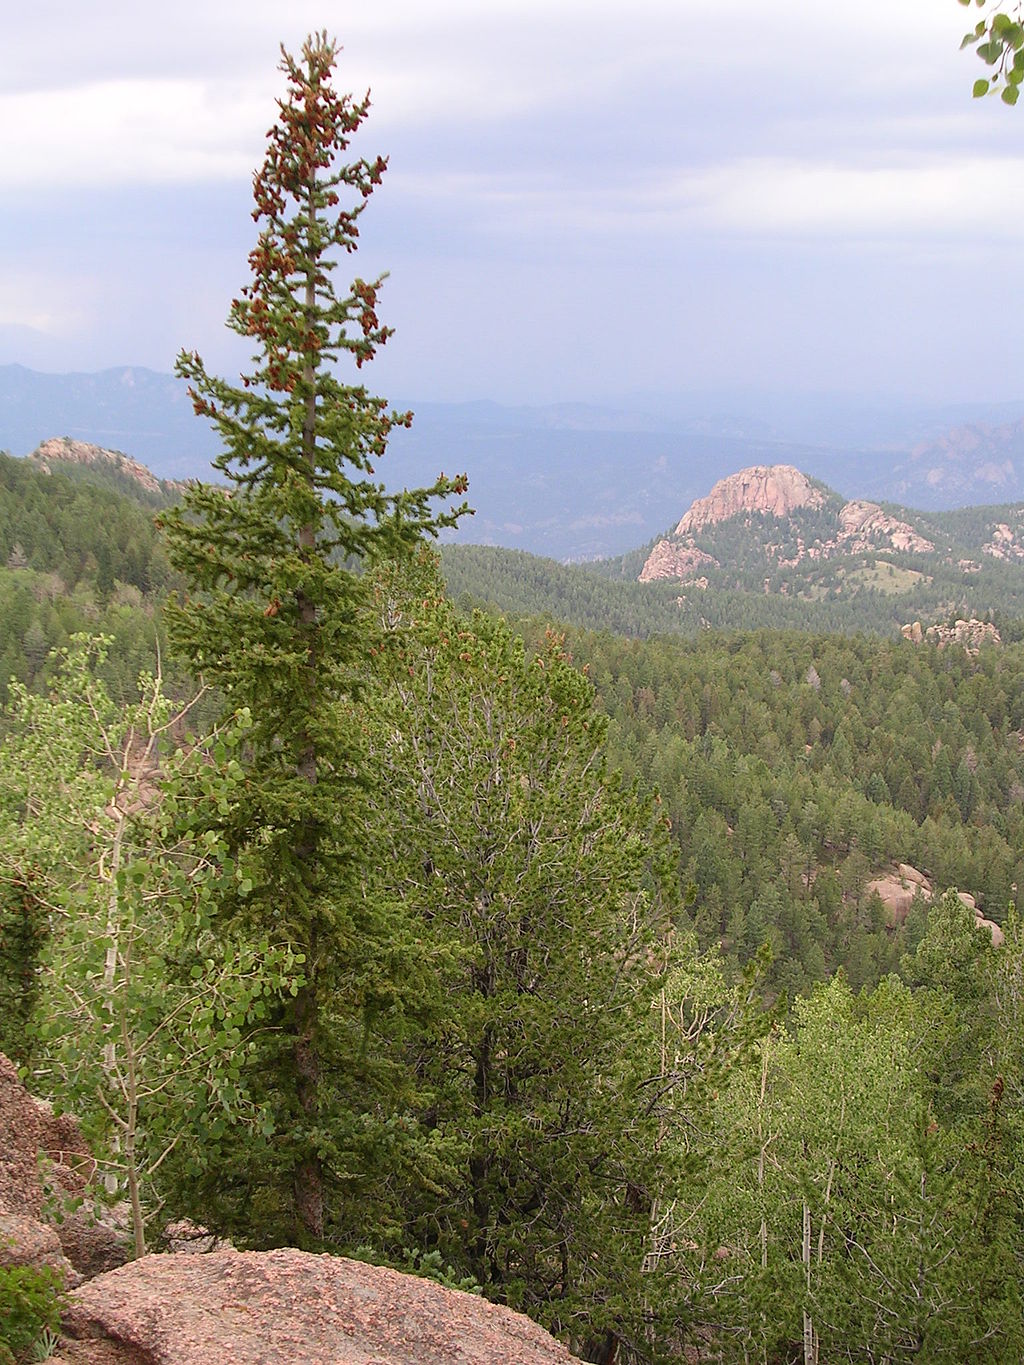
[60,452]
[794,519]
[776,489]
[968,635]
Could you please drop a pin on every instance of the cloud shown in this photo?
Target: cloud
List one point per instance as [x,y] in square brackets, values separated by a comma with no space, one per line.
[37,301]
[130,131]
[761,197]
[558,168]
[926,198]
[125,94]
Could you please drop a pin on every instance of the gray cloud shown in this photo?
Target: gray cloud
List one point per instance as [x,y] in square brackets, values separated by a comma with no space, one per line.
[582,198]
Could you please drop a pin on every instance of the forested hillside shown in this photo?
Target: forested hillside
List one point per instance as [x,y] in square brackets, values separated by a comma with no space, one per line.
[770,548]
[77,554]
[796,768]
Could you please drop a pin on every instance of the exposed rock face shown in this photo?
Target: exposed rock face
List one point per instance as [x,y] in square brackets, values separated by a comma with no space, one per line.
[969,635]
[777,489]
[897,891]
[25,1241]
[285,1307]
[863,525]
[1006,543]
[675,561]
[32,1143]
[972,463]
[63,450]
[28,1131]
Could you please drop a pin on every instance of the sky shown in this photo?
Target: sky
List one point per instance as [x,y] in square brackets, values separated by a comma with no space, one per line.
[585,201]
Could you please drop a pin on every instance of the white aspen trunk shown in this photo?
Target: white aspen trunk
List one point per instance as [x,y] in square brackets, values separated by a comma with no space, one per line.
[131,1134]
[828,1185]
[110,969]
[760,1155]
[809,1351]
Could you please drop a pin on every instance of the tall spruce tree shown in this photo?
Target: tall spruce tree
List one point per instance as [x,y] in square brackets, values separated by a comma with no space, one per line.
[273,614]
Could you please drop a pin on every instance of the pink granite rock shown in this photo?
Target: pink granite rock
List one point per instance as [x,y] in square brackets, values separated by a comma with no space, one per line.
[285,1307]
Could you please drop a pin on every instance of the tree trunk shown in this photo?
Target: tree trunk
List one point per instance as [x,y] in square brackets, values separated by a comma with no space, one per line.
[308,1176]
[810,1345]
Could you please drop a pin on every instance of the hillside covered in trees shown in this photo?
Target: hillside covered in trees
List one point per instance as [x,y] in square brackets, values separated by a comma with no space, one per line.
[788,771]
[799,557]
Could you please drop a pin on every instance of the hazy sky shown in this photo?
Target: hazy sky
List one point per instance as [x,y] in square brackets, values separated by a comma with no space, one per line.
[584,200]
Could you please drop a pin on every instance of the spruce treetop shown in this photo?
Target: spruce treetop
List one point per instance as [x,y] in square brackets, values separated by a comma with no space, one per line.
[292,430]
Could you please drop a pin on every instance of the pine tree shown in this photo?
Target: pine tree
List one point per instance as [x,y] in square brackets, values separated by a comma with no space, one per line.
[551,888]
[273,620]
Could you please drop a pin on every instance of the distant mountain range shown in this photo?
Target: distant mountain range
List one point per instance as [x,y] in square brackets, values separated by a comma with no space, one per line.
[571,481]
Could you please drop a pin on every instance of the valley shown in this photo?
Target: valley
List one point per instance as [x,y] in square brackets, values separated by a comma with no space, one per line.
[798,731]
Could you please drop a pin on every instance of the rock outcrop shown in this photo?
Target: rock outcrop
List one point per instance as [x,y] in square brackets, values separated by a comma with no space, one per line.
[1006,543]
[226,1307]
[34,1229]
[897,891]
[776,489]
[285,1307]
[31,1136]
[675,561]
[62,450]
[864,525]
[968,635]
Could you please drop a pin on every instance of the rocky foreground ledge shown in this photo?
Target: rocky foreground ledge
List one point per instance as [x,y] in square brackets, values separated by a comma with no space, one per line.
[286,1308]
[225,1307]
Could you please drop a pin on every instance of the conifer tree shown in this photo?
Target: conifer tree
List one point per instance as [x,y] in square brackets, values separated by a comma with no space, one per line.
[273,620]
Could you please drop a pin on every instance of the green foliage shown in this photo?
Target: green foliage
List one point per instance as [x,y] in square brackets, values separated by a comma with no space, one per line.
[30,1307]
[998,39]
[134,1011]
[795,768]
[65,524]
[580,1029]
[860,1220]
[51,785]
[550,885]
[273,620]
[429,1265]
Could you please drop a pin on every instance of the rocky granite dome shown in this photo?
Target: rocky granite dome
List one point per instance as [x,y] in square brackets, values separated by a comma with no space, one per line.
[777,489]
[793,519]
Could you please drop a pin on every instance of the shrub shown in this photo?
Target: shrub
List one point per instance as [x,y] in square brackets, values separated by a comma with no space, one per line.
[30,1306]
